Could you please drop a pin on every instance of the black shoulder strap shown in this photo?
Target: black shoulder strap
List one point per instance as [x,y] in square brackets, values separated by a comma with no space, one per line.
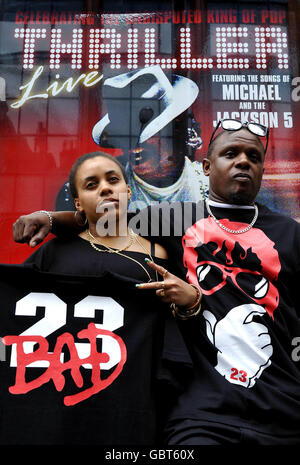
[152,250]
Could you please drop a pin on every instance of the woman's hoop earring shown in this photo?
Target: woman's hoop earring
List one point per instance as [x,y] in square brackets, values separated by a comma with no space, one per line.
[83,219]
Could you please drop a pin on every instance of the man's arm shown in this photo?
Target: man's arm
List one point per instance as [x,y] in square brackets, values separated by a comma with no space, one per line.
[153,221]
[33,228]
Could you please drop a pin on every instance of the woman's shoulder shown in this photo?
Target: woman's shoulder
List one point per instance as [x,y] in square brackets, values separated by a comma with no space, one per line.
[62,241]
[159,250]
[56,244]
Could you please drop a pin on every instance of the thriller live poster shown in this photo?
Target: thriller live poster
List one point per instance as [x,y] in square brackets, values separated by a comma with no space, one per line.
[146,83]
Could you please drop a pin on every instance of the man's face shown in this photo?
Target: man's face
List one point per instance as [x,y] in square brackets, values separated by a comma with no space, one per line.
[235,167]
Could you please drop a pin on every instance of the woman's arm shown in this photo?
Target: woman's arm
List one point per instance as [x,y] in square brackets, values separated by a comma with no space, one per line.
[33,228]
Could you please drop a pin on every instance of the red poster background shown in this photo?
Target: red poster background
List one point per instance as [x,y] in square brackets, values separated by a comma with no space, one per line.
[42,138]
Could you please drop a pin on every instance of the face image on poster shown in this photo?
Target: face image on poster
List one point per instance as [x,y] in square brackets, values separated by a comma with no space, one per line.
[146,84]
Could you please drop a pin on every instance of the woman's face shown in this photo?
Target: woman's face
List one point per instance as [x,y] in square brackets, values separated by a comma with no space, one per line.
[101,189]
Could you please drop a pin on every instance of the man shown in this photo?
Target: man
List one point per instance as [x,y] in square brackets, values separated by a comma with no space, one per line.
[246,259]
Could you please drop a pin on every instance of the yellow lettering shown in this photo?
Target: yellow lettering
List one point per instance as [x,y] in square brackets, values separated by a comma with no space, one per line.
[88,80]
[90,76]
[26,95]
[68,85]
[53,88]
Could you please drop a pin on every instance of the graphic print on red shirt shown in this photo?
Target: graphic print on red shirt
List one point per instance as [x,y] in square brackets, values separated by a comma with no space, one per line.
[244,268]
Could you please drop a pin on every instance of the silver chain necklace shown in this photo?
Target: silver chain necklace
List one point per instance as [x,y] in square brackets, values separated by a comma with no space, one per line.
[233,231]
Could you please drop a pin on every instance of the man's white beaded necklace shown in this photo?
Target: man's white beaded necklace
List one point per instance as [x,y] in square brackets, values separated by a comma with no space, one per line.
[233,231]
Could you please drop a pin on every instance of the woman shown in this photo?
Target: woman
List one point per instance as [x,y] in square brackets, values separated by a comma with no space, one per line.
[101,194]
[124,411]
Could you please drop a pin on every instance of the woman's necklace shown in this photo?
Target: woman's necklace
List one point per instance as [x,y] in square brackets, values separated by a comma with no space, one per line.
[233,231]
[109,249]
[133,237]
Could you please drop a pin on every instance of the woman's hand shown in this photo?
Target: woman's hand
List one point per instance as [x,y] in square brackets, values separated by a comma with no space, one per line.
[172,289]
[32,228]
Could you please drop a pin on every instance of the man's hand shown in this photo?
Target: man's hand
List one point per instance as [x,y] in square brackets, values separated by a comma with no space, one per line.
[32,228]
[244,346]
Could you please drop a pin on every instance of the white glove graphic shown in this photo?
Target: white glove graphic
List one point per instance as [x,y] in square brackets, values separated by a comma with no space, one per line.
[244,346]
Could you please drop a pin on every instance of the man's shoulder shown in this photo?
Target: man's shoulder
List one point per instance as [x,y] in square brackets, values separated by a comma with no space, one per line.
[270,214]
[279,223]
[167,219]
[166,206]
[169,212]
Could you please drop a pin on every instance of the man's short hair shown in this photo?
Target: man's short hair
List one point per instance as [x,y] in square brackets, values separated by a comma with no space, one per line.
[211,145]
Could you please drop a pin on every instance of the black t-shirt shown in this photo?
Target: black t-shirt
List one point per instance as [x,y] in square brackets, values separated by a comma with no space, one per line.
[66,303]
[242,342]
